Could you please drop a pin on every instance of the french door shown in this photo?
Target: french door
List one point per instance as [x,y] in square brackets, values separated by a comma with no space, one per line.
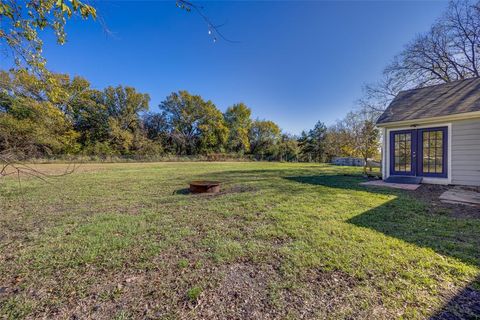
[419,152]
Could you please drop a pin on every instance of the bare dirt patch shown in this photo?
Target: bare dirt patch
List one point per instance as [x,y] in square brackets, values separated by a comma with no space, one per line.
[240,290]
[431,193]
[248,291]
[243,292]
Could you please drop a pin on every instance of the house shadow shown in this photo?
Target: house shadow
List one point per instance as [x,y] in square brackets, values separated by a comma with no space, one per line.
[343,181]
[465,305]
[408,220]
[402,218]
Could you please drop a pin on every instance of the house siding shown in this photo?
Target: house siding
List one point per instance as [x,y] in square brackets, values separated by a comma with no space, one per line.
[466,152]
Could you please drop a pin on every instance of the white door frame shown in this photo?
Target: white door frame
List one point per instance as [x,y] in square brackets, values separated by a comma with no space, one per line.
[386,151]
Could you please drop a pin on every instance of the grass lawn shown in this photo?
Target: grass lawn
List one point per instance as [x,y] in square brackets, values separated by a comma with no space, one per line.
[281,241]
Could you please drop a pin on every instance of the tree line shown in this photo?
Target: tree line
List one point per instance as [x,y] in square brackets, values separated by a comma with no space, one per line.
[66,116]
[45,114]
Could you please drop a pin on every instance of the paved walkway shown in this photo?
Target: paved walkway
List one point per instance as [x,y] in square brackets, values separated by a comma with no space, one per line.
[381,183]
[456,195]
[461,196]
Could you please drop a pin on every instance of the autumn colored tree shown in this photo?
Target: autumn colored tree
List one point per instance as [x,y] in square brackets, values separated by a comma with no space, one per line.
[31,124]
[354,136]
[24,21]
[123,106]
[213,130]
[237,118]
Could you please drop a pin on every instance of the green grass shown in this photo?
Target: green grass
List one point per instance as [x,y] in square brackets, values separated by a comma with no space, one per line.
[126,241]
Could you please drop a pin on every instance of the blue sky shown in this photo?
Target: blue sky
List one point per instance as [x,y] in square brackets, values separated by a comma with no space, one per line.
[295,62]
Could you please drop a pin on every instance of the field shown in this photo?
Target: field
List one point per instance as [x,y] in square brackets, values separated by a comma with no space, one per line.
[281,241]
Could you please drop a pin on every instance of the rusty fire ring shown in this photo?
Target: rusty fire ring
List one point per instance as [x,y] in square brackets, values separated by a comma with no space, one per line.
[204,186]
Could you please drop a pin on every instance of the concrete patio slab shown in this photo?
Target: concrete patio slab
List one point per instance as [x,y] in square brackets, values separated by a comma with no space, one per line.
[461,196]
[381,183]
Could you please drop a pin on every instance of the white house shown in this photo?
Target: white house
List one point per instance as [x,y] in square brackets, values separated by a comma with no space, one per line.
[432,135]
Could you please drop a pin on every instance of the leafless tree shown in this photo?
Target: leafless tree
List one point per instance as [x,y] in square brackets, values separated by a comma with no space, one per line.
[213,29]
[449,51]
[377,96]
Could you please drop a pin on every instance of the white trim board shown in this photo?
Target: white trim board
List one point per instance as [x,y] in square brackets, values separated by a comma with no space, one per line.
[428,121]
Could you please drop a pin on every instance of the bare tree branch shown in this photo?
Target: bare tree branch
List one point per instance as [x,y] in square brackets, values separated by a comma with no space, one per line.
[449,51]
[213,29]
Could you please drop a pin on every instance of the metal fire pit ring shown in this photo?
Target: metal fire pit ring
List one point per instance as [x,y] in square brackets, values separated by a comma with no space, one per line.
[203,186]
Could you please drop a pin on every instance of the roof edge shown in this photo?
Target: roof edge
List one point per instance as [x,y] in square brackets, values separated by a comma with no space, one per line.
[440,84]
[452,117]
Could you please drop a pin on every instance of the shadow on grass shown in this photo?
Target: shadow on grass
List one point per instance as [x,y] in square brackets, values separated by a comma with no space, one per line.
[184,191]
[344,181]
[407,219]
[465,305]
[304,175]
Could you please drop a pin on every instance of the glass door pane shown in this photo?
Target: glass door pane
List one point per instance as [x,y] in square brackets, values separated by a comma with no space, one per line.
[432,157]
[402,152]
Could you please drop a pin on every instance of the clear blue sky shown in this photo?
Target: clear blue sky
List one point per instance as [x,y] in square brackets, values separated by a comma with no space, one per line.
[296,62]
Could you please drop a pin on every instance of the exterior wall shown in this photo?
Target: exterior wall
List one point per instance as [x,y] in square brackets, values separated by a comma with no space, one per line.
[463,151]
[466,152]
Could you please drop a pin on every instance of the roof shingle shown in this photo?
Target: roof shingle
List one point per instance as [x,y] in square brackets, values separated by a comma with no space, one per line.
[434,101]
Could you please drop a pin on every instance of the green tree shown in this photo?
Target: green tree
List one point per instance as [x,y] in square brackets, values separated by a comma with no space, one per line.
[195,125]
[369,141]
[313,143]
[90,118]
[124,105]
[85,108]
[24,21]
[213,130]
[304,146]
[239,122]
[317,138]
[288,148]
[67,116]
[264,138]
[155,126]
[338,142]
